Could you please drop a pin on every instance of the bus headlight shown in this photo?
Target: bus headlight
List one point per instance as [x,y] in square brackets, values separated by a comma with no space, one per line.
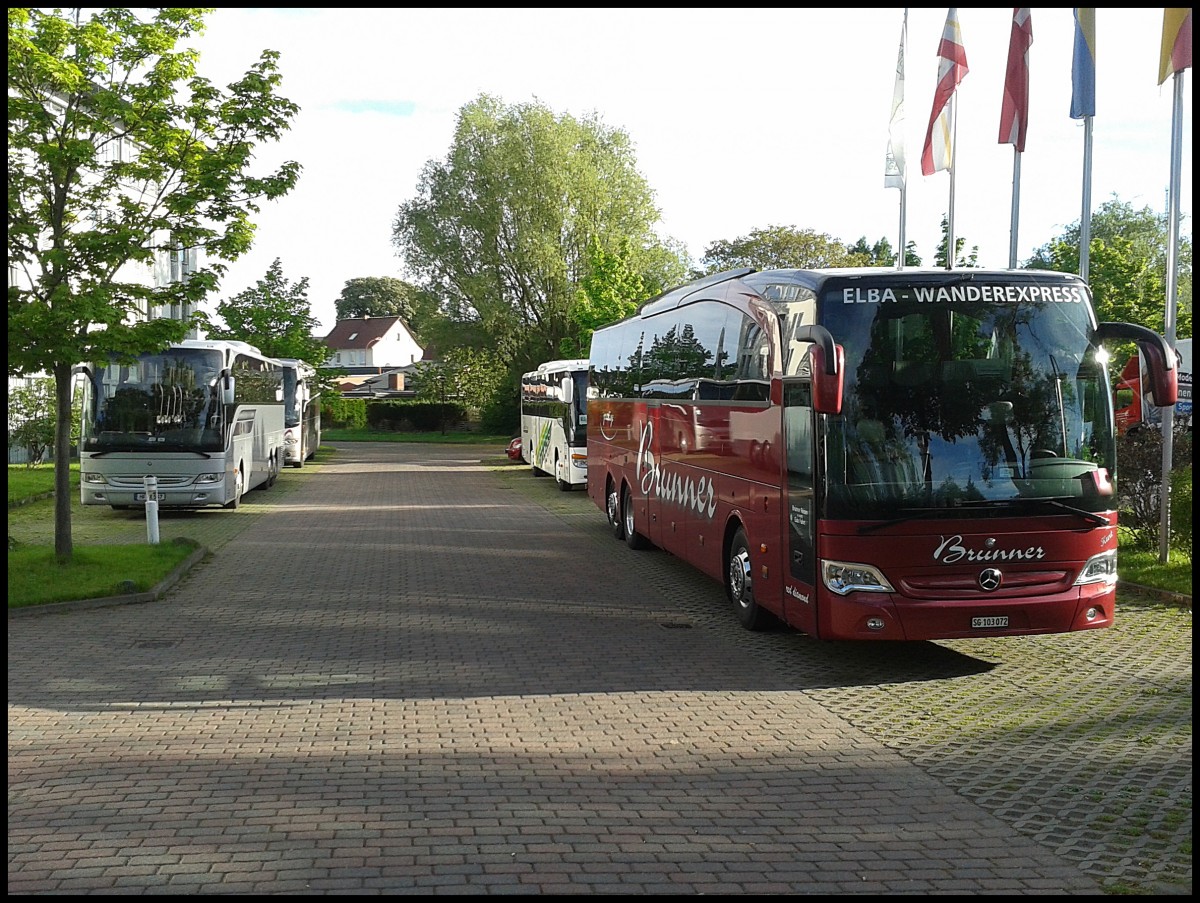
[844,577]
[93,478]
[1100,568]
[210,478]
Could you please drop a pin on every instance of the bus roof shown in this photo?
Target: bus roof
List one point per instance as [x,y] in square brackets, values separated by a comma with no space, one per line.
[817,278]
[560,366]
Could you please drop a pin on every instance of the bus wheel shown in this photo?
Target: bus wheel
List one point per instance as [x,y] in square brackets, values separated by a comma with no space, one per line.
[238,486]
[563,485]
[612,508]
[633,538]
[739,584]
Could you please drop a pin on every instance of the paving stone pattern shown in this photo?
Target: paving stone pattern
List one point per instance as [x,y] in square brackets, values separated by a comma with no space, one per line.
[413,673]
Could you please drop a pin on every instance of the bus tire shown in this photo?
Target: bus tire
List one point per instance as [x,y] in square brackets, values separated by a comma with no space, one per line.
[563,485]
[633,538]
[612,510]
[739,584]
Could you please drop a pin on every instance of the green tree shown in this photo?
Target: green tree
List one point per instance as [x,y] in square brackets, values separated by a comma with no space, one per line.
[468,376]
[274,316]
[940,256]
[1127,269]
[377,296]
[611,290]
[780,247]
[31,407]
[499,230]
[117,152]
[881,254]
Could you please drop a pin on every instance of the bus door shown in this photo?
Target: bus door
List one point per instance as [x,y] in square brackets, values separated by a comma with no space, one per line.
[800,580]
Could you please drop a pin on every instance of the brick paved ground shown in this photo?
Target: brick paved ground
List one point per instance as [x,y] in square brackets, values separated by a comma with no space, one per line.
[410,674]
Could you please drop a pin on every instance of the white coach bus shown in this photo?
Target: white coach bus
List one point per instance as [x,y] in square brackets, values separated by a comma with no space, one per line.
[204,418]
[554,421]
[301,411]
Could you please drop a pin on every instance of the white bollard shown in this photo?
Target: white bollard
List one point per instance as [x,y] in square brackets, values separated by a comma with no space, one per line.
[151,484]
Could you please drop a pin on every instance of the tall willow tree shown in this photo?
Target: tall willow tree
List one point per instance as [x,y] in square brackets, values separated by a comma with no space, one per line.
[500,229]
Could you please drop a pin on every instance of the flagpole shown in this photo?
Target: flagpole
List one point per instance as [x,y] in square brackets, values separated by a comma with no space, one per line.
[1083,106]
[1168,413]
[1085,218]
[1016,204]
[904,173]
[1014,111]
[895,173]
[952,168]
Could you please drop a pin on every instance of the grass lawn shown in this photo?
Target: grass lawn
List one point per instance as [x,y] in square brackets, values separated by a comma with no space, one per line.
[1144,568]
[30,482]
[95,572]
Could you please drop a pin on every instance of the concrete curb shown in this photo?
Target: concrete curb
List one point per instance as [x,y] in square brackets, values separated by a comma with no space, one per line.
[1162,595]
[153,594]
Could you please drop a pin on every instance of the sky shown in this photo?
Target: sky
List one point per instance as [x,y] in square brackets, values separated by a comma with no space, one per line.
[740,119]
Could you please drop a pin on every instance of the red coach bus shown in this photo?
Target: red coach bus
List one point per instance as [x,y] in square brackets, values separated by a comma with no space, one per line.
[876,454]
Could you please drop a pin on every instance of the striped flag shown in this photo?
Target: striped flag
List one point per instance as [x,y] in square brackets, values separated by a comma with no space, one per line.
[1083,65]
[952,66]
[894,167]
[1176,52]
[1014,108]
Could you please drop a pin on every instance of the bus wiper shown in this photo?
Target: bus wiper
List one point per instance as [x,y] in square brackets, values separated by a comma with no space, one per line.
[1090,516]
[1098,519]
[956,510]
[918,514]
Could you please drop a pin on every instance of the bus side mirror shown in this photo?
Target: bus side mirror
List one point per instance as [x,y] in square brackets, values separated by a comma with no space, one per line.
[828,386]
[568,390]
[828,368]
[1160,360]
[227,389]
[1164,374]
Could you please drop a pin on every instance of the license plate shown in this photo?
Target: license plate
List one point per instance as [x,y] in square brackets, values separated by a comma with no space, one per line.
[139,496]
[994,621]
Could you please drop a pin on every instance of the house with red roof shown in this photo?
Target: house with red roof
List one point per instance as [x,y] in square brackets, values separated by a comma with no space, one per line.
[371,345]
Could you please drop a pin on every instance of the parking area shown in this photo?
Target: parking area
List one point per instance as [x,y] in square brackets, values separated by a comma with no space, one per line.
[410,670]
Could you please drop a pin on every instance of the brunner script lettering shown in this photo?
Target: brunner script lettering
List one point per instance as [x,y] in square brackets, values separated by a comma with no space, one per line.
[952,550]
[683,492]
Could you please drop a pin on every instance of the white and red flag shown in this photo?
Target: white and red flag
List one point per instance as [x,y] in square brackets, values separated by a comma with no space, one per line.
[1014,109]
[952,66]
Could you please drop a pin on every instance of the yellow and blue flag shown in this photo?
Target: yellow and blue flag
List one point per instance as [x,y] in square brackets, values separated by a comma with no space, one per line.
[1083,65]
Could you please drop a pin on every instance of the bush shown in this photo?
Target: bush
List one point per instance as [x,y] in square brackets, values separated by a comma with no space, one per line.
[343,413]
[1139,485]
[411,415]
[1181,509]
[502,417]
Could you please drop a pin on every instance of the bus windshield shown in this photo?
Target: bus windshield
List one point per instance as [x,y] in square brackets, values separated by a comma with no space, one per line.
[956,399]
[167,401]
